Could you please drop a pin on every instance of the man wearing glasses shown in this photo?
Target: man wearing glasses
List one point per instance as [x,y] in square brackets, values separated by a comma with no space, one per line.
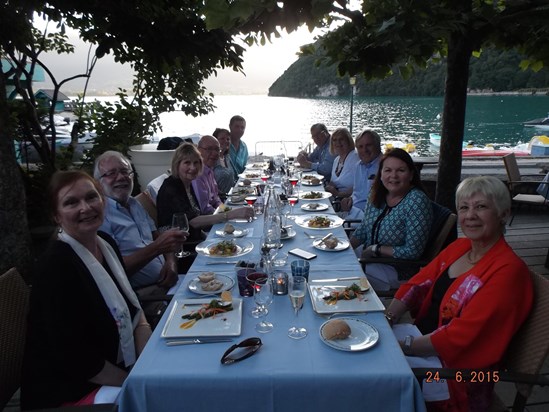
[148,255]
[205,186]
[320,159]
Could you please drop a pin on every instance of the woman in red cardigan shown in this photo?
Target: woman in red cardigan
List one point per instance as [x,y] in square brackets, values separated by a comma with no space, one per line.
[472,298]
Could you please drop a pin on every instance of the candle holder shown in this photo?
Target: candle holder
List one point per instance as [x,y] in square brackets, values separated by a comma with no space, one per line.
[280,280]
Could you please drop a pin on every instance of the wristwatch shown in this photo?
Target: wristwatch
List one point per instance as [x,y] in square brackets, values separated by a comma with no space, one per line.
[390,318]
[407,345]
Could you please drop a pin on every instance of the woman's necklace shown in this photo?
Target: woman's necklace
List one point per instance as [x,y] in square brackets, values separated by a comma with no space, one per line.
[471,260]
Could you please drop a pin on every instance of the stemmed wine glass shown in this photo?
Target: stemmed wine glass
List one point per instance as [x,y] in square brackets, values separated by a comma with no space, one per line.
[298,288]
[293,180]
[250,200]
[292,200]
[180,221]
[259,311]
[263,296]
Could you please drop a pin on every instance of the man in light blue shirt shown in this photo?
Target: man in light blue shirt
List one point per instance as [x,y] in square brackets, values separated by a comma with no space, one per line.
[368,147]
[238,151]
[148,256]
[320,159]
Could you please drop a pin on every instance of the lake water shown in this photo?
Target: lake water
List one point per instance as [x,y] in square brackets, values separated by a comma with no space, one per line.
[489,119]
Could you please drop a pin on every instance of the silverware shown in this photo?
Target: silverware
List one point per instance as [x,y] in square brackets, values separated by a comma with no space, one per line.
[179,342]
[223,262]
[325,238]
[337,279]
[311,236]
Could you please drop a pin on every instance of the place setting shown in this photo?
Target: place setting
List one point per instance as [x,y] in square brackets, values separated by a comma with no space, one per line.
[318,222]
[314,195]
[225,248]
[314,207]
[331,243]
[210,283]
[231,231]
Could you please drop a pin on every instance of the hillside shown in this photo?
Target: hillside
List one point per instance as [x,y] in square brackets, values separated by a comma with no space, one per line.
[493,71]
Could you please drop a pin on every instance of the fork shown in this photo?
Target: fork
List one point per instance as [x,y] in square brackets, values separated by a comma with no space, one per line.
[311,236]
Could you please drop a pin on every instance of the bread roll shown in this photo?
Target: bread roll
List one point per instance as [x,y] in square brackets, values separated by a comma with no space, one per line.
[206,277]
[336,329]
[229,229]
[212,285]
[246,182]
[315,181]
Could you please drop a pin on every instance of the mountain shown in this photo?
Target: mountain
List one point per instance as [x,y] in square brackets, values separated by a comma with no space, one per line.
[493,71]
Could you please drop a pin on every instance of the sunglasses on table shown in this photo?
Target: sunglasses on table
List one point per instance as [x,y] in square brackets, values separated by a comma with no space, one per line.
[241,351]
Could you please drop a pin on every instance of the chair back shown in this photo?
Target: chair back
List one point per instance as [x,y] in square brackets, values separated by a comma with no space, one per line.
[530,345]
[512,169]
[14,307]
[145,199]
[443,222]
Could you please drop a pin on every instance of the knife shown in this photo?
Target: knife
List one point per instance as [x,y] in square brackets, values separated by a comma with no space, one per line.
[223,262]
[196,341]
[338,279]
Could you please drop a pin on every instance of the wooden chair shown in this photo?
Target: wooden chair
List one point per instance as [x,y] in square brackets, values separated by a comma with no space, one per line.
[441,230]
[523,192]
[146,201]
[525,355]
[14,308]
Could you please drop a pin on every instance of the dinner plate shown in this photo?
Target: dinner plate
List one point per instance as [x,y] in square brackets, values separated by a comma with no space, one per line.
[342,244]
[325,195]
[251,175]
[290,233]
[303,221]
[252,184]
[368,303]
[303,169]
[241,203]
[242,191]
[314,207]
[238,232]
[363,336]
[242,247]
[195,285]
[309,183]
[226,324]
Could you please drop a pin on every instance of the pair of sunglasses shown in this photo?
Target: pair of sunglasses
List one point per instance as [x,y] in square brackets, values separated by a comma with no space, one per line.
[241,351]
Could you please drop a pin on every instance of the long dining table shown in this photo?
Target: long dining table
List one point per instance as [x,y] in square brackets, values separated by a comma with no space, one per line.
[285,374]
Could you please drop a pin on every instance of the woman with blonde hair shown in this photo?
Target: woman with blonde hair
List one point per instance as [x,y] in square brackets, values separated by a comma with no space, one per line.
[343,169]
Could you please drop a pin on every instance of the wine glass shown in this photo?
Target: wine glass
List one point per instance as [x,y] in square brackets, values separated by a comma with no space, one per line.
[293,180]
[259,311]
[292,200]
[298,288]
[250,200]
[180,221]
[263,296]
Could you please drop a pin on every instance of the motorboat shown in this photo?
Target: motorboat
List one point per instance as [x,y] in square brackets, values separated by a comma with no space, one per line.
[540,123]
[470,149]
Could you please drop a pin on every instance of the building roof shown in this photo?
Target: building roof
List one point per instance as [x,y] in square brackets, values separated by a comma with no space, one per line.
[49,94]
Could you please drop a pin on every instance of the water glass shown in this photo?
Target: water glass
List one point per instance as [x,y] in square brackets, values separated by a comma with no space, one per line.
[300,267]
[280,259]
[244,286]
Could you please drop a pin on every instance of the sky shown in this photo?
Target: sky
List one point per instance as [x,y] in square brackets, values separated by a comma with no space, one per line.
[262,66]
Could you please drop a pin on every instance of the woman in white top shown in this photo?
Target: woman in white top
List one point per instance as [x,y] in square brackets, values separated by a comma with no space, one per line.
[343,169]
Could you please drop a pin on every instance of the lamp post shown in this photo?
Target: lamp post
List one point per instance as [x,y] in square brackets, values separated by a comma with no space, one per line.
[352,82]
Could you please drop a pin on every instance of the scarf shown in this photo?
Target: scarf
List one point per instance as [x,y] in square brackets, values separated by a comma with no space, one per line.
[110,293]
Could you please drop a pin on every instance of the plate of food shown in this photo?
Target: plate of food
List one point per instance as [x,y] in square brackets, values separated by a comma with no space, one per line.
[314,195]
[204,317]
[250,174]
[344,296]
[314,207]
[236,200]
[209,283]
[224,249]
[331,244]
[348,334]
[242,191]
[318,222]
[311,180]
[247,183]
[231,231]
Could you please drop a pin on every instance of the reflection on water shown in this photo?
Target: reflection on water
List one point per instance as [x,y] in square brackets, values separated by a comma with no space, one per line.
[489,119]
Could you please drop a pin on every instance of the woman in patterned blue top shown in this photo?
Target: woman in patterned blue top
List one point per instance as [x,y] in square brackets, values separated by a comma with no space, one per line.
[397,219]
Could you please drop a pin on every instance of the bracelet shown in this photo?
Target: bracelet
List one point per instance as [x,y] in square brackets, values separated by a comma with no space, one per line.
[226,216]
[407,346]
[390,316]
[143,324]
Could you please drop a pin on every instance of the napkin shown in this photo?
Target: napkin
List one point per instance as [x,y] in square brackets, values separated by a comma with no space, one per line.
[432,391]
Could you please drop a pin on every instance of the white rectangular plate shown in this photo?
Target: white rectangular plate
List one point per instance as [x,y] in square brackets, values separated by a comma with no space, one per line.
[226,324]
[369,303]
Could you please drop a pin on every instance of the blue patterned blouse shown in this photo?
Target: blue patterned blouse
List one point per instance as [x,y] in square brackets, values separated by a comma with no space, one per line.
[405,226]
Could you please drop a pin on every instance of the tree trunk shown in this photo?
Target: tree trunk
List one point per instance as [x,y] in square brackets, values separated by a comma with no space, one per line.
[14,230]
[453,122]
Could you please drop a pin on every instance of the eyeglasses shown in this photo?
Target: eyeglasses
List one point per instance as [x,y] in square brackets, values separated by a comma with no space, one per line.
[243,350]
[211,149]
[113,173]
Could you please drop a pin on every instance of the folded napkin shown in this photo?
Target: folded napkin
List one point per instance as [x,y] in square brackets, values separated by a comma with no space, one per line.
[432,391]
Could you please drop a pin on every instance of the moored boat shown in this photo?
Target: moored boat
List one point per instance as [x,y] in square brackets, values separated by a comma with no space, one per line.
[540,123]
